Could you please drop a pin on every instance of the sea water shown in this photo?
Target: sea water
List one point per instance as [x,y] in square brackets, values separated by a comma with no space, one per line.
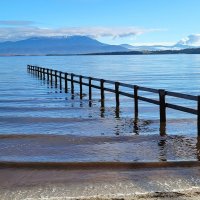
[39,122]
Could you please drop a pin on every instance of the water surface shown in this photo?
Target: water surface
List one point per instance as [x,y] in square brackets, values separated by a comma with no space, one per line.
[29,106]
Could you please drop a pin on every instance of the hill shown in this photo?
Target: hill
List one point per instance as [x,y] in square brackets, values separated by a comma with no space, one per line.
[57,45]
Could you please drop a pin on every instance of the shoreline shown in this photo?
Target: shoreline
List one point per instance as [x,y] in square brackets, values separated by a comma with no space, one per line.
[99,165]
[95,184]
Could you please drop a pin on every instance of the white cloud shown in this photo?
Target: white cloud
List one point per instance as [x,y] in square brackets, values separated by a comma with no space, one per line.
[15,23]
[22,32]
[191,40]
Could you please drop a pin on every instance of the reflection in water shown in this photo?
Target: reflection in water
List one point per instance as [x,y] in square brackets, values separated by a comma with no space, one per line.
[90,103]
[102,112]
[117,129]
[198,148]
[162,129]
[102,103]
[81,104]
[135,126]
[162,149]
[117,112]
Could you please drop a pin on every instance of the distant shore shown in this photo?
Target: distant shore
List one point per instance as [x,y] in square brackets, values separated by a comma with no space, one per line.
[160,52]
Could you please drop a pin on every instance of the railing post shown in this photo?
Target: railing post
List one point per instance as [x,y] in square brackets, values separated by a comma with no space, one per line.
[47,74]
[56,79]
[72,84]
[43,73]
[66,83]
[102,92]
[35,70]
[162,106]
[60,80]
[51,74]
[136,101]
[40,73]
[198,116]
[81,86]
[117,94]
[90,89]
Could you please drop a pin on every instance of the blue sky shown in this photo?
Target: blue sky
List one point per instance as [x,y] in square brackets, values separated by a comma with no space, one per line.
[111,21]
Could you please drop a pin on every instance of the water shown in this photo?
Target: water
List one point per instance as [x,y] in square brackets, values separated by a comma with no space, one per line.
[35,112]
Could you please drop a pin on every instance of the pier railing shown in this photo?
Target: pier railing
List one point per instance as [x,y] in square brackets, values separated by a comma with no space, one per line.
[58,77]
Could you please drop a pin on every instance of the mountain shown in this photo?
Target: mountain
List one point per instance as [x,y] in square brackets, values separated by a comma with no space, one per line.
[57,45]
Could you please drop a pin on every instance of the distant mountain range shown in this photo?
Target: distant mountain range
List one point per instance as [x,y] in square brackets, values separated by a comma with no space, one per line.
[177,46]
[57,45]
[83,45]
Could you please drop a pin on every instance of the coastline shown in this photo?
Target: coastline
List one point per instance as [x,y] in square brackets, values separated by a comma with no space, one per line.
[160,183]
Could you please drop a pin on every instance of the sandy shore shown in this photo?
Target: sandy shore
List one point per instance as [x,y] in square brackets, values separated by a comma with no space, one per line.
[148,183]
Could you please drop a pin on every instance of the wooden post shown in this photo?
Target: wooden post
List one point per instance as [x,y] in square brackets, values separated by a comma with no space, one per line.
[81,87]
[48,75]
[51,74]
[40,73]
[66,83]
[56,79]
[102,92]
[198,116]
[136,101]
[34,70]
[60,80]
[90,88]
[43,73]
[72,84]
[162,106]
[117,94]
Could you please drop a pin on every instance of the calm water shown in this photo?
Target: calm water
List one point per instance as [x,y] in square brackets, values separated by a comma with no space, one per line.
[31,109]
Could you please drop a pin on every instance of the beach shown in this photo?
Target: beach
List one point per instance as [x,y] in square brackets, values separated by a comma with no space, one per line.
[144,183]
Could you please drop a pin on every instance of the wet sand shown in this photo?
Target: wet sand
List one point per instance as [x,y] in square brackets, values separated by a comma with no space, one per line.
[147,183]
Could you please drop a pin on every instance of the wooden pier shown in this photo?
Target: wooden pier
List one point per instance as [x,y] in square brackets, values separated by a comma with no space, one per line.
[57,78]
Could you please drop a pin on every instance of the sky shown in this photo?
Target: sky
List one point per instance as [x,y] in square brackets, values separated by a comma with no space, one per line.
[136,22]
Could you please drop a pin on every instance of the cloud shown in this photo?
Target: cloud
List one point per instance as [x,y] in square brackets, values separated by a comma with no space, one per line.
[16,33]
[191,40]
[15,23]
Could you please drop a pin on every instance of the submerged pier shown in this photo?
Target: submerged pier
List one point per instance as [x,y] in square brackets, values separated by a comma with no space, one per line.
[66,81]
